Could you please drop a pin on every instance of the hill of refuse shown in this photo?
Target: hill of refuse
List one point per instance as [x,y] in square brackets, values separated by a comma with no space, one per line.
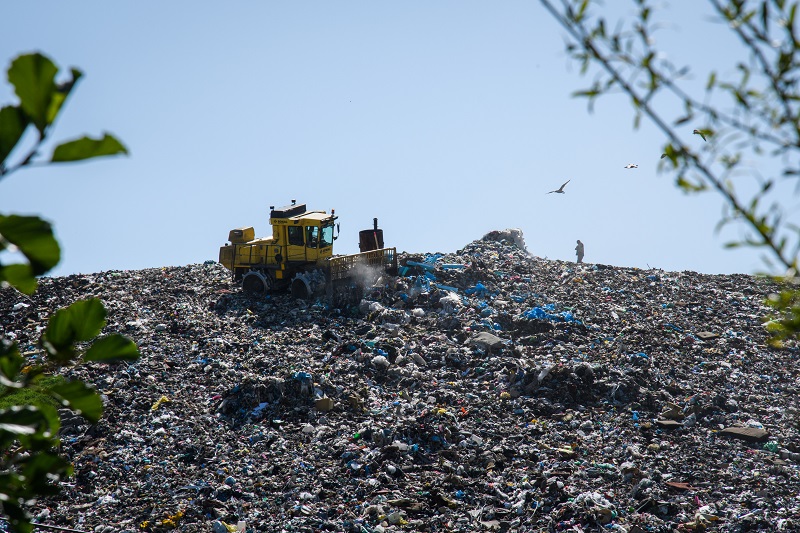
[480,390]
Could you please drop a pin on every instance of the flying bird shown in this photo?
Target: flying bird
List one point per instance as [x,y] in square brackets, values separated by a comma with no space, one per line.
[560,190]
[631,165]
[701,133]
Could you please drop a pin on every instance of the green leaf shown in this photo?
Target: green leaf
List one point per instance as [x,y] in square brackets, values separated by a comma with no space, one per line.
[8,348]
[10,364]
[20,276]
[22,420]
[81,398]
[581,11]
[589,93]
[112,349]
[33,77]
[12,125]
[18,518]
[712,80]
[40,469]
[87,148]
[61,93]
[79,322]
[34,238]
[62,354]
[689,187]
[47,410]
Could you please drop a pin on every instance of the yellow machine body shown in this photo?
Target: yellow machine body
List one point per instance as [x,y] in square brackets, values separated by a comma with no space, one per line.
[299,237]
[301,241]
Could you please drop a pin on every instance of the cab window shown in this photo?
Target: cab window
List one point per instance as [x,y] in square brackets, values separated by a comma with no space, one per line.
[295,235]
[312,236]
[327,237]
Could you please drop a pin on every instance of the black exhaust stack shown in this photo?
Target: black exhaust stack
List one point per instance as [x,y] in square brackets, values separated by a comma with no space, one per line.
[370,239]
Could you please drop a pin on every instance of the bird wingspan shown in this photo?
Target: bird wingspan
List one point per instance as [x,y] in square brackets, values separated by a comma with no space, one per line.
[560,189]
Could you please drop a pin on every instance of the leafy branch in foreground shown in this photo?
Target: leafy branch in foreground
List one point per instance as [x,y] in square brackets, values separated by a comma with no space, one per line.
[747,121]
[41,99]
[29,431]
[30,467]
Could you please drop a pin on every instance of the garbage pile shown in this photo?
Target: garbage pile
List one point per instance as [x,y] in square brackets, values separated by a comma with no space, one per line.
[480,390]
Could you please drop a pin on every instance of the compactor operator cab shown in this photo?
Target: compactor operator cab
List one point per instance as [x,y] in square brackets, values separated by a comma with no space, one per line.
[306,235]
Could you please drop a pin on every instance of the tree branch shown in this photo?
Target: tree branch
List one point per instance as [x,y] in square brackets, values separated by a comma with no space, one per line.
[576,29]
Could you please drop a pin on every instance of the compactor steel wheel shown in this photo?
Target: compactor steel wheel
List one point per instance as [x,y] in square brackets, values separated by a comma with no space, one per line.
[300,290]
[257,282]
[307,284]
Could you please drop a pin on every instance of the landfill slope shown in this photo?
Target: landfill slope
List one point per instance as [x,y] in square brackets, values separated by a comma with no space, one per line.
[480,390]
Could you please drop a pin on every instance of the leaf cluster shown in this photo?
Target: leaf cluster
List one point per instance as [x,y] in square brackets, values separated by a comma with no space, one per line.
[29,423]
[41,99]
[29,430]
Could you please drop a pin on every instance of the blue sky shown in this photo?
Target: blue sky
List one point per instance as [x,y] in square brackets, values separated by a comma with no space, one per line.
[445,120]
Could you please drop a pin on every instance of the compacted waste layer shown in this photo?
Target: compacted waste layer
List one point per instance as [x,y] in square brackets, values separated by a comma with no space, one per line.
[481,390]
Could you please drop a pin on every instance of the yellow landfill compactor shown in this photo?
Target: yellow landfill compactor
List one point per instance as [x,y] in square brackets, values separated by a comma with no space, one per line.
[300,255]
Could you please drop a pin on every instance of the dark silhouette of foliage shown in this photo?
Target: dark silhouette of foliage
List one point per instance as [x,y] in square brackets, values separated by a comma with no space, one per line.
[29,463]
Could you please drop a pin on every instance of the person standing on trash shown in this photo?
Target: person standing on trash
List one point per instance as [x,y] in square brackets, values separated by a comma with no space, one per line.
[579,251]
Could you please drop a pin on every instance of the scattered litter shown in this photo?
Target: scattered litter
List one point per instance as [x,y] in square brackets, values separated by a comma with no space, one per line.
[485,389]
